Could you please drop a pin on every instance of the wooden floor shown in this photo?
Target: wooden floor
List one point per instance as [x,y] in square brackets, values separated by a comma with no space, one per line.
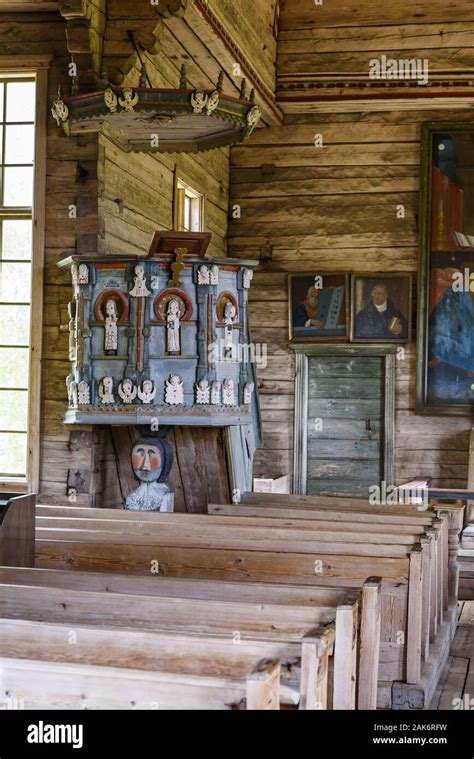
[457,680]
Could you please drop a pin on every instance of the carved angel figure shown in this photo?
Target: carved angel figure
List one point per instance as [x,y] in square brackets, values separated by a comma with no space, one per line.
[71,309]
[106,387]
[229,319]
[128,100]
[228,393]
[83,393]
[111,332]
[214,277]
[83,274]
[59,110]
[110,99]
[249,387]
[71,386]
[147,391]
[172,327]
[174,393]
[203,391]
[212,102]
[127,390]
[247,277]
[140,289]
[74,274]
[199,101]
[216,393]
[203,275]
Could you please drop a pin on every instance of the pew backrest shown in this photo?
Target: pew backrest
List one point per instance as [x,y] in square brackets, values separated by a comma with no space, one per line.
[17,529]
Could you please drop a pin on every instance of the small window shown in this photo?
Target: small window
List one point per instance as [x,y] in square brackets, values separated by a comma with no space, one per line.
[189,208]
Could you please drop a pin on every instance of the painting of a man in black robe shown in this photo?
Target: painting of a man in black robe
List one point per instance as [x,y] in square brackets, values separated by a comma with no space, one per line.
[381,308]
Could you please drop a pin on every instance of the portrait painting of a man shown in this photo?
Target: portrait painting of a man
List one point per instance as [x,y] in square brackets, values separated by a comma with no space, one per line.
[381,308]
[318,307]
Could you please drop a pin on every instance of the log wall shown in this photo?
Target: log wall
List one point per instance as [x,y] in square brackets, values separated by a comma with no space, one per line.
[120,199]
[136,196]
[71,179]
[332,208]
[335,209]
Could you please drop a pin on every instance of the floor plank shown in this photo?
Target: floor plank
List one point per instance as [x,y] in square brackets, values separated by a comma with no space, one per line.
[456,686]
[453,687]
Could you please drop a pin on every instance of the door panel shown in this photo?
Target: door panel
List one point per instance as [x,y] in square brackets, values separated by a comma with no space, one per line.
[346,411]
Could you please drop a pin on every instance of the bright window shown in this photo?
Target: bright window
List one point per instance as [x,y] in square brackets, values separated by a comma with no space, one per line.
[189,205]
[17,147]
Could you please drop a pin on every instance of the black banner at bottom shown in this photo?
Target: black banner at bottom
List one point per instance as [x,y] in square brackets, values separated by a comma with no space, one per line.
[128,733]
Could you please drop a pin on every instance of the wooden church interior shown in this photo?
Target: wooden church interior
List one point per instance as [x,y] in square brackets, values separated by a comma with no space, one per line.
[219,155]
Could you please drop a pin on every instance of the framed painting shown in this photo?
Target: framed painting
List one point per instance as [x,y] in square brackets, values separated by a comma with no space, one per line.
[381,307]
[445,342]
[318,307]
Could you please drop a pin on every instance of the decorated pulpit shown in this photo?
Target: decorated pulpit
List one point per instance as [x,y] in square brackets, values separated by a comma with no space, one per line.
[162,340]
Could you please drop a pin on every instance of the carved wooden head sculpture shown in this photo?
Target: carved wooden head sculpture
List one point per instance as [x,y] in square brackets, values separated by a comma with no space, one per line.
[152,459]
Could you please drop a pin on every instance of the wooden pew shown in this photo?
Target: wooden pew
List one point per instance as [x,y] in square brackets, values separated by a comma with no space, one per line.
[274,550]
[45,685]
[284,563]
[17,530]
[382,517]
[432,586]
[281,615]
[180,653]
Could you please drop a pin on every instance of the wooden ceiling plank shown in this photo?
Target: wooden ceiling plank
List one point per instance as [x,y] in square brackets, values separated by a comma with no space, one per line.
[199,57]
[225,58]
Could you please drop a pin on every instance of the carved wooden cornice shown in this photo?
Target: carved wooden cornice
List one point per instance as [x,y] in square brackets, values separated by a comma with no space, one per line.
[294,92]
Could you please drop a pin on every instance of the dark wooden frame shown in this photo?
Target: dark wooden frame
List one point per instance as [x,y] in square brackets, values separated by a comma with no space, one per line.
[424,254]
[323,338]
[381,276]
[303,352]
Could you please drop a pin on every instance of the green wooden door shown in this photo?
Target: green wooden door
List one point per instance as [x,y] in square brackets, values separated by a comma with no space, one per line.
[345,435]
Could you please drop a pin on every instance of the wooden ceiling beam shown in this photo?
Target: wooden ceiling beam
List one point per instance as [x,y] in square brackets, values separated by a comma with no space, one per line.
[28,6]
[144,20]
[85,28]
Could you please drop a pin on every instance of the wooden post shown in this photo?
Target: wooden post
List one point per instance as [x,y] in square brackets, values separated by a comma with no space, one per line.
[433,583]
[426,541]
[437,524]
[345,656]
[414,627]
[455,517]
[369,651]
[316,648]
[444,516]
[263,686]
